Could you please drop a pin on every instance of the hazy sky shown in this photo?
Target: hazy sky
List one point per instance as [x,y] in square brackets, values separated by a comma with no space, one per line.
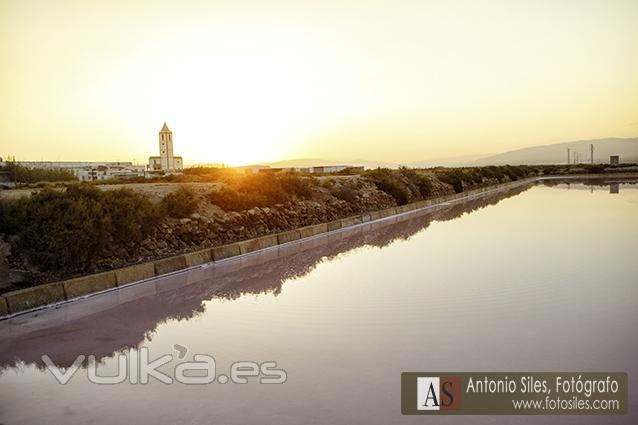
[247,81]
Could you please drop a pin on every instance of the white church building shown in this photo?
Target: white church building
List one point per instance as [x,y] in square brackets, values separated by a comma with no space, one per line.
[166,161]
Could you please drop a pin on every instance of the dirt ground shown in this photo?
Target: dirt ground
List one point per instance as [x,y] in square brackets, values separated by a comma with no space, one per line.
[155,190]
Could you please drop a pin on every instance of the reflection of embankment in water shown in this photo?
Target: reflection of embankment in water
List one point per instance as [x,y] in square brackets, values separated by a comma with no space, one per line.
[120,319]
[611,183]
[587,183]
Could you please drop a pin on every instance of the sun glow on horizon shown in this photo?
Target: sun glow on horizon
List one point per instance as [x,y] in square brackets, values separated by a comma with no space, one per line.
[231,102]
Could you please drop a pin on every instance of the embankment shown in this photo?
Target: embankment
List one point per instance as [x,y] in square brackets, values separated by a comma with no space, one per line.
[213,234]
[34,297]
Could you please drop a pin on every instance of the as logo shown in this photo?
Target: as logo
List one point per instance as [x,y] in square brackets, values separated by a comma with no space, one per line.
[438,393]
[428,393]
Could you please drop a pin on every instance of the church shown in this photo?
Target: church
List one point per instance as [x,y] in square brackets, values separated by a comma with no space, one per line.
[166,161]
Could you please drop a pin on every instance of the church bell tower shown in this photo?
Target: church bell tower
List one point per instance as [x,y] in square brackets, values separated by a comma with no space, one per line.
[167,160]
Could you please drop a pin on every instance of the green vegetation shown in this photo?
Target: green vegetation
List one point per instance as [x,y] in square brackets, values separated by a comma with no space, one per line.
[594,168]
[261,190]
[344,193]
[389,182]
[420,184]
[406,184]
[72,229]
[179,204]
[21,174]
[453,177]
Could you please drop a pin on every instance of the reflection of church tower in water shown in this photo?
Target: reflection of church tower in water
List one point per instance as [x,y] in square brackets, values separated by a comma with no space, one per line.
[165,161]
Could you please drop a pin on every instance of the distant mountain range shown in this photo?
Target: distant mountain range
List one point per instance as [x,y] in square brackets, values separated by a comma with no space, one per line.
[557,153]
[308,162]
[627,148]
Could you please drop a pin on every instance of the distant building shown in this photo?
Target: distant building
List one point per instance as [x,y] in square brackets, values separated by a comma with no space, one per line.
[166,161]
[614,159]
[97,172]
[89,170]
[319,169]
[335,168]
[252,168]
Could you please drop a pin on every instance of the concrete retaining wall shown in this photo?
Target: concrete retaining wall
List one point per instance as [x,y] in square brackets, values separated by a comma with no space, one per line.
[351,221]
[26,299]
[226,251]
[388,212]
[198,257]
[256,244]
[169,265]
[134,273]
[84,285]
[289,236]
[310,231]
[374,215]
[30,298]
[250,245]
[334,225]
[4,309]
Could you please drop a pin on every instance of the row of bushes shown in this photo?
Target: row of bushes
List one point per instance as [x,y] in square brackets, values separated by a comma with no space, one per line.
[20,174]
[407,184]
[458,177]
[404,185]
[72,229]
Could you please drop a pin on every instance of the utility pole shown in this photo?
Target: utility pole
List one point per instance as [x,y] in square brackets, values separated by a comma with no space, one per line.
[568,155]
[15,173]
[591,147]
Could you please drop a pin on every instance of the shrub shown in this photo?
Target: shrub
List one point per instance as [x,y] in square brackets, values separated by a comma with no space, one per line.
[513,172]
[229,199]
[131,216]
[181,203]
[12,215]
[385,181]
[594,168]
[425,187]
[472,176]
[421,183]
[294,184]
[71,230]
[35,175]
[265,186]
[345,194]
[453,178]
[497,172]
[261,190]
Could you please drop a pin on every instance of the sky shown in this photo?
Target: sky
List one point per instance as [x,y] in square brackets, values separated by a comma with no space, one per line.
[243,81]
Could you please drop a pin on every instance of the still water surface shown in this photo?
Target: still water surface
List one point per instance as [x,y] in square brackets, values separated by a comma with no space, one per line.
[536,279]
